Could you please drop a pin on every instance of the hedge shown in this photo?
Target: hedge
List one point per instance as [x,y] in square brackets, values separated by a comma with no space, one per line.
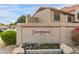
[75,36]
[9,37]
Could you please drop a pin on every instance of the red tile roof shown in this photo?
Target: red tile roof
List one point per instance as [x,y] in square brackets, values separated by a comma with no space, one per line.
[71,8]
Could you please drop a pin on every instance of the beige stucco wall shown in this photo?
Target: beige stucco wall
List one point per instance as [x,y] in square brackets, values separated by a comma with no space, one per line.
[63,18]
[19,35]
[46,16]
[76,12]
[43,16]
[59,33]
[37,38]
[30,19]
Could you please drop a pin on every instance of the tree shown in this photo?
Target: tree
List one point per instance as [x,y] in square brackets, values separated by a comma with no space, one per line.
[1,24]
[21,19]
[12,24]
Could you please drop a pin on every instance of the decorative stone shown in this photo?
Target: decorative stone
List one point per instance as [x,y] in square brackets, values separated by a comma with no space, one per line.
[18,50]
[66,49]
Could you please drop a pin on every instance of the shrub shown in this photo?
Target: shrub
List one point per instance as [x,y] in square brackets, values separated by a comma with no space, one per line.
[9,37]
[0,33]
[49,46]
[40,46]
[75,36]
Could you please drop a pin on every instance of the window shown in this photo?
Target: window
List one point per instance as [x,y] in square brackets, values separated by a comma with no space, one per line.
[57,16]
[69,18]
[78,16]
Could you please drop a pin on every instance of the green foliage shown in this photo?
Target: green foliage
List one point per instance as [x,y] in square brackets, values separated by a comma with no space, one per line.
[0,33]
[49,46]
[12,24]
[9,37]
[40,46]
[1,24]
[75,37]
[21,19]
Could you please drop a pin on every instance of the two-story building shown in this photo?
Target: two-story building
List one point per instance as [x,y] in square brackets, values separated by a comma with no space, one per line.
[51,15]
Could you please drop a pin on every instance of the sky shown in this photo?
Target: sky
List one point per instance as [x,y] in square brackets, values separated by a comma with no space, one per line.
[9,13]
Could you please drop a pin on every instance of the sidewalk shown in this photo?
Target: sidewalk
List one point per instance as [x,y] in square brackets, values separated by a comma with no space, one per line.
[76,50]
[5,49]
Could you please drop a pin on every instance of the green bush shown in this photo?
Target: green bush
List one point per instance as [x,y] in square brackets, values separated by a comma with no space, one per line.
[9,37]
[75,37]
[40,46]
[49,46]
[0,33]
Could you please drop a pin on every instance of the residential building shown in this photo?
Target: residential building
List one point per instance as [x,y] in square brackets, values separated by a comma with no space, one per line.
[51,15]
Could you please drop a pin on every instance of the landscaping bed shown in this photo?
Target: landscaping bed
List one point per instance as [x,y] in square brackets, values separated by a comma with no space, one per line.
[34,48]
[40,46]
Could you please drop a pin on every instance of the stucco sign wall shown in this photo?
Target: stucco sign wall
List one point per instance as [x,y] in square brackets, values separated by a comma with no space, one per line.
[45,33]
[38,34]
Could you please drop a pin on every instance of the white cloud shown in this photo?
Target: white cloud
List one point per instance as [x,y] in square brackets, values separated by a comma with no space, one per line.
[8,16]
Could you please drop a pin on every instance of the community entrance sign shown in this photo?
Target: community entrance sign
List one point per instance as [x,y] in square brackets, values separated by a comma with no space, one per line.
[45,33]
[38,34]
